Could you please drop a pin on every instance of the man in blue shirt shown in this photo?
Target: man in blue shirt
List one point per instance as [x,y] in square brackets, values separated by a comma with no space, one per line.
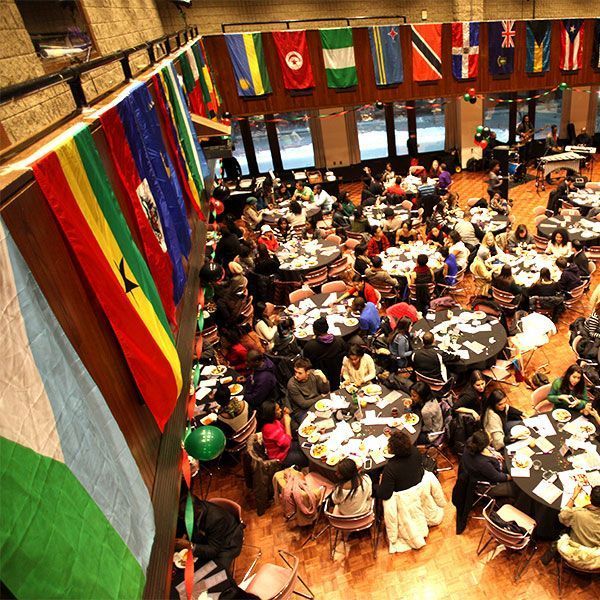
[369,320]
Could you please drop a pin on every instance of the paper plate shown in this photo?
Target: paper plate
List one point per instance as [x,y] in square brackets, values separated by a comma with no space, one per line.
[318,451]
[520,432]
[562,415]
[521,462]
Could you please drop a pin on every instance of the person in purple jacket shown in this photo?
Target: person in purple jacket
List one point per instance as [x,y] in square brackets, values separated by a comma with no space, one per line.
[261,383]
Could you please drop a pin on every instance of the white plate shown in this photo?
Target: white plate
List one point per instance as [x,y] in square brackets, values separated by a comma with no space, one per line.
[316,447]
[520,432]
[562,415]
[524,462]
[217,370]
[372,389]
[322,405]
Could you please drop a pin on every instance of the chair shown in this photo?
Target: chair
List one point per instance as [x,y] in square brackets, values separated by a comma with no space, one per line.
[355,236]
[316,278]
[506,300]
[541,243]
[537,220]
[236,510]
[338,266]
[237,442]
[346,524]
[519,542]
[539,210]
[332,237]
[386,292]
[437,385]
[438,440]
[406,205]
[539,304]
[333,286]
[455,287]
[210,335]
[538,399]
[499,372]
[593,253]
[562,563]
[351,243]
[412,291]
[575,297]
[471,202]
[301,294]
[274,582]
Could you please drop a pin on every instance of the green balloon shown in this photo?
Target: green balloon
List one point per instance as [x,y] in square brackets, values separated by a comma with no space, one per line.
[479,128]
[563,86]
[467,97]
[196,374]
[205,443]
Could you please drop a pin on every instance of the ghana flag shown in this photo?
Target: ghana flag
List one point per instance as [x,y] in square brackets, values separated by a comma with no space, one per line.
[72,178]
[77,521]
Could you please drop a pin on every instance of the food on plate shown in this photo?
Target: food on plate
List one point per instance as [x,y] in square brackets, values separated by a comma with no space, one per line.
[410,418]
[587,428]
[322,405]
[350,322]
[519,432]
[236,388]
[372,389]
[318,451]
[217,370]
[301,333]
[562,415]
[307,430]
[521,462]
[333,460]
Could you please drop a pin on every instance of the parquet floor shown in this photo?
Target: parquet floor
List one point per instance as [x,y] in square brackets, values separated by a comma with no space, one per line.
[447,568]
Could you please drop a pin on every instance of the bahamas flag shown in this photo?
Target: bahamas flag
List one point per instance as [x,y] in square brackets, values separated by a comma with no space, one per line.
[387,55]
[77,521]
[73,180]
[539,37]
[249,65]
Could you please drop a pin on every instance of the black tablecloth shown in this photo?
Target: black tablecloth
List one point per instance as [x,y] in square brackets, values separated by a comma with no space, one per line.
[547,227]
[488,356]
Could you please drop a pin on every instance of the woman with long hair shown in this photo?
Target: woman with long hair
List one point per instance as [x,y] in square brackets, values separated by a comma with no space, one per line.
[505,281]
[352,495]
[428,408]
[399,343]
[470,401]
[520,238]
[570,391]
[559,245]
[499,418]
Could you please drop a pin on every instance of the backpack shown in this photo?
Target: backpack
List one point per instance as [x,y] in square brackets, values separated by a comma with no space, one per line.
[539,379]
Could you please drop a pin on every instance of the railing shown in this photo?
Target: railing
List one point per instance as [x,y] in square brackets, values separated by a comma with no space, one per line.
[287,22]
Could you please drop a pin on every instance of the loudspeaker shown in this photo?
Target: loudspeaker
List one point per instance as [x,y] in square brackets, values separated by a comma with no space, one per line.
[500,153]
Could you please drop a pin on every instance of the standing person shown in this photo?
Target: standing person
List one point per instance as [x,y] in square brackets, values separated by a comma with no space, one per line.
[400,343]
[430,361]
[570,391]
[494,179]
[499,418]
[326,352]
[305,388]
[525,132]
[552,146]
[277,437]
[413,148]
[353,493]
[421,278]
[358,367]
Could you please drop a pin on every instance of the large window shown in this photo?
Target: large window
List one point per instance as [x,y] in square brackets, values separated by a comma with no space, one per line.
[295,140]
[496,117]
[431,125]
[400,128]
[238,147]
[258,129]
[372,136]
[548,111]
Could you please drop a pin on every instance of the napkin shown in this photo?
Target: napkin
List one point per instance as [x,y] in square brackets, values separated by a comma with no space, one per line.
[330,299]
[202,393]
[207,383]
[547,491]
[544,445]
[407,426]
[463,353]
[515,446]
[516,472]
[541,424]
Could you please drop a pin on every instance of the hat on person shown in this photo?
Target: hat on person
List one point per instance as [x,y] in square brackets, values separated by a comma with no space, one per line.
[235,268]
[251,200]
[266,229]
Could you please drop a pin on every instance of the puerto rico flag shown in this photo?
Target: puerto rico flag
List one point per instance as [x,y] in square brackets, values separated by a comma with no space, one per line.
[465,50]
[571,44]
[426,52]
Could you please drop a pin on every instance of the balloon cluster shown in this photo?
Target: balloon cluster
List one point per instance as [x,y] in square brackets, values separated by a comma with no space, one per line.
[563,86]
[216,205]
[470,96]
[481,136]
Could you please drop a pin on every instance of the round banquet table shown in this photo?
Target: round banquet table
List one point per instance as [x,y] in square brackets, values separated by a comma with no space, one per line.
[272,215]
[376,215]
[576,229]
[585,200]
[491,349]
[545,514]
[400,260]
[489,220]
[526,266]
[305,248]
[318,299]
[366,431]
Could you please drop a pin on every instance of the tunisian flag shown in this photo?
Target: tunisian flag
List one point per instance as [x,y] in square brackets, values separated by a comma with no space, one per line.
[295,61]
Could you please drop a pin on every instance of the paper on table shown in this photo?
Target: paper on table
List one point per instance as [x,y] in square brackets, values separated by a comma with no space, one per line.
[588,460]
[378,421]
[334,330]
[574,427]
[547,491]
[381,404]
[392,396]
[594,478]
[338,402]
[463,353]
[541,424]
[383,441]
[307,304]
[408,427]
[325,424]
[516,472]
[476,347]
[330,299]
[544,445]
[512,448]
[342,432]
[208,383]
[202,393]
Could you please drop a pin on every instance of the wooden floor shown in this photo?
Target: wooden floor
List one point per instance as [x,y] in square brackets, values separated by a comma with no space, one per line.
[447,567]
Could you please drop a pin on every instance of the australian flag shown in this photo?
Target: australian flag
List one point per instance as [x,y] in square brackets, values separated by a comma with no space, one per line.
[465,50]
[501,36]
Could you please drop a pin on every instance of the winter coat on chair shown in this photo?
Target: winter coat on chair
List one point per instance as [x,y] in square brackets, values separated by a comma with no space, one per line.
[410,513]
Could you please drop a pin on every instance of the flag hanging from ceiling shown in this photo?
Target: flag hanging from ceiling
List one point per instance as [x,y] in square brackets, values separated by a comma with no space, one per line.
[210,93]
[292,51]
[198,82]
[426,52]
[501,47]
[73,181]
[387,54]
[539,36]
[465,50]
[338,55]
[77,520]
[249,65]
[596,46]
[571,44]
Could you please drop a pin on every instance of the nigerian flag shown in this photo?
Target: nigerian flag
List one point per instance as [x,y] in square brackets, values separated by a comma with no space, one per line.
[77,521]
[338,55]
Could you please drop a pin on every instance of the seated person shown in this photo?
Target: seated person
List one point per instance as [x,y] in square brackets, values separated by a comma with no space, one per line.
[439,217]
[359,223]
[472,396]
[489,242]
[282,192]
[352,495]
[388,173]
[234,352]
[358,368]
[377,276]
[450,267]
[520,238]
[297,215]
[505,282]
[362,262]
[592,323]
[479,267]
[396,189]
[305,388]
[483,463]
[406,234]
[267,237]
[428,408]
[391,223]
[261,383]
[430,361]
[457,247]
[265,323]
[277,436]
[470,234]
[322,199]
[303,193]
[265,263]
[544,286]
[369,320]
[436,236]
[403,471]
[283,232]
[347,204]
[284,342]
[360,288]
[233,411]
[499,204]
[499,418]
[378,243]
[251,215]
[340,219]
[559,245]
[399,344]
[569,275]
[326,352]
[580,258]
[570,391]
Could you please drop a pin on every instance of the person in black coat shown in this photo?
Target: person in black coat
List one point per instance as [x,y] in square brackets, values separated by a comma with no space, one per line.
[470,401]
[228,247]
[580,258]
[426,360]
[544,286]
[569,277]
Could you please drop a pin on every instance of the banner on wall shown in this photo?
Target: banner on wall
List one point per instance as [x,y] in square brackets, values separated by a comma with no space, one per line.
[571,44]
[76,187]
[426,52]
[596,46]
[249,65]
[501,47]
[539,38]
[292,51]
[338,56]
[387,54]
[465,50]
[76,514]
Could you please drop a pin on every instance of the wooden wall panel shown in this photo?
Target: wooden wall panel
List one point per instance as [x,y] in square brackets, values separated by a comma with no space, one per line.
[366,92]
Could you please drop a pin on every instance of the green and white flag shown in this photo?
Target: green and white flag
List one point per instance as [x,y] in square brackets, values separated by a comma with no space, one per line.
[338,54]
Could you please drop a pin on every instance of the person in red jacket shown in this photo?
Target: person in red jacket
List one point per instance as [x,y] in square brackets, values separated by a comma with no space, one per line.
[378,243]
[277,436]
[267,237]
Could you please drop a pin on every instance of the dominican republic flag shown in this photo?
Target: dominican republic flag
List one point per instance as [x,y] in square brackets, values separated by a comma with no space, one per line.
[571,44]
[292,52]
[426,52]
[465,50]
[501,42]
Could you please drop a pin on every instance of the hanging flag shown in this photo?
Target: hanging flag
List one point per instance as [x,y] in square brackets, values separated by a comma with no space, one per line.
[249,65]
[501,46]
[465,50]
[426,52]
[73,181]
[338,55]
[77,520]
[191,83]
[539,36]
[571,44]
[294,59]
[387,54]
[210,95]
[596,46]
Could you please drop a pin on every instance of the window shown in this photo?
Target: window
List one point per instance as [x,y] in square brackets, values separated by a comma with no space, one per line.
[295,140]
[400,128]
[496,117]
[372,136]
[548,111]
[238,147]
[431,124]
[262,150]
